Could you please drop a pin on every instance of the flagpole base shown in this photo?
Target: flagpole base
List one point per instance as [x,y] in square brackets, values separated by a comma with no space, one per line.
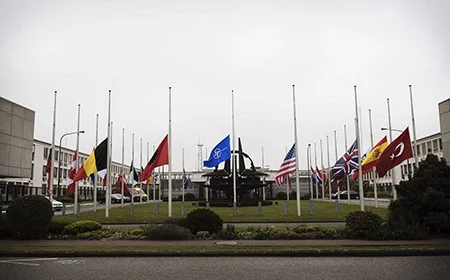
[182,209]
[311,207]
[337,208]
[234,209]
[259,208]
[131,209]
[156,209]
[285,208]
[78,209]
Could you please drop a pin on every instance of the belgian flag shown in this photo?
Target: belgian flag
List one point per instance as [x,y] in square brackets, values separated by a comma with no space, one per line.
[95,162]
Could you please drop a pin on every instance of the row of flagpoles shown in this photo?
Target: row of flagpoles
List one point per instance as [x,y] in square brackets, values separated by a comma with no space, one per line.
[163,156]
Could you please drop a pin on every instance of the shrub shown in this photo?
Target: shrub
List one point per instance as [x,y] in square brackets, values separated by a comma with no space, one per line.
[229,233]
[4,230]
[57,228]
[303,229]
[312,235]
[169,232]
[281,196]
[361,224]
[176,221]
[29,217]
[78,227]
[285,235]
[187,197]
[203,219]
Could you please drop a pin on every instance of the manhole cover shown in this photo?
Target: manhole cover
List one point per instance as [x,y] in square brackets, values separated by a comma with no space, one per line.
[226,243]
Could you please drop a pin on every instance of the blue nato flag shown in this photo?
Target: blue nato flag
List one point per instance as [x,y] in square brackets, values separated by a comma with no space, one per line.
[221,152]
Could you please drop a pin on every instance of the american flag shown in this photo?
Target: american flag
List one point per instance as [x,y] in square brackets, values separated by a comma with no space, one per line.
[347,164]
[287,166]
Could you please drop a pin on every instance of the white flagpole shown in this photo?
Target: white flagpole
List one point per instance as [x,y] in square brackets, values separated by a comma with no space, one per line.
[348,179]
[262,167]
[170,153]
[233,154]
[108,163]
[328,157]
[109,185]
[140,182]
[49,190]
[317,187]
[154,181]
[297,168]
[321,166]
[361,190]
[95,175]
[182,187]
[336,156]
[76,205]
[132,172]
[375,192]
[394,191]
[416,161]
[148,185]
[309,173]
[123,167]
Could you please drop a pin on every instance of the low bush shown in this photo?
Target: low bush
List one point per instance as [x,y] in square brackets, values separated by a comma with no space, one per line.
[202,235]
[168,232]
[4,229]
[29,217]
[176,221]
[229,233]
[364,225]
[303,229]
[202,219]
[78,227]
[56,227]
[113,234]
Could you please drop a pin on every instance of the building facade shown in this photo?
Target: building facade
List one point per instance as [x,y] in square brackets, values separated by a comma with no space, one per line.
[444,120]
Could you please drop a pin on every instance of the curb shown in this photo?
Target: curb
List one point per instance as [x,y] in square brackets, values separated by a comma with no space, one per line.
[306,253]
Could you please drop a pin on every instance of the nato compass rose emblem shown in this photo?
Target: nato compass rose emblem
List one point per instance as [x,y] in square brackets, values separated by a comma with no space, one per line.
[218,153]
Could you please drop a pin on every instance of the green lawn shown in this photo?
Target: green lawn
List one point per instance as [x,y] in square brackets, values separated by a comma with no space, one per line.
[144,213]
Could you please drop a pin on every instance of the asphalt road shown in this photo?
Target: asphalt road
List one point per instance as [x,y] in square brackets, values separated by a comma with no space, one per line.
[226,268]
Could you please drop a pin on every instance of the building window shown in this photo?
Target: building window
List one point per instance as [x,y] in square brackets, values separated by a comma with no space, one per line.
[435,145]
[45,153]
[55,172]
[418,149]
[44,172]
[440,144]
[56,155]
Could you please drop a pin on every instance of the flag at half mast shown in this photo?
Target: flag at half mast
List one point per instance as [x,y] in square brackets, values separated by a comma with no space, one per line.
[287,166]
[94,163]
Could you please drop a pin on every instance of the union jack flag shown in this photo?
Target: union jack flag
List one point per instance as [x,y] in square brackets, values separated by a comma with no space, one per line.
[347,164]
[319,176]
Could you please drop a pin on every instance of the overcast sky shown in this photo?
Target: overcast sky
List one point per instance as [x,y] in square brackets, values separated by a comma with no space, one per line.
[205,49]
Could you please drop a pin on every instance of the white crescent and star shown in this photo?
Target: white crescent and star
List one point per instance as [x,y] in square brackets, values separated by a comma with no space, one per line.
[402,147]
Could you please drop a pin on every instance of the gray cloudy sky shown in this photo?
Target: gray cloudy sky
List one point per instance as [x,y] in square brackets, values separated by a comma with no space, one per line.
[204,49]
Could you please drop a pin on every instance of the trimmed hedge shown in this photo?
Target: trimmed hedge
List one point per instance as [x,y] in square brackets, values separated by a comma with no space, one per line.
[364,225]
[29,217]
[168,232]
[78,227]
[203,219]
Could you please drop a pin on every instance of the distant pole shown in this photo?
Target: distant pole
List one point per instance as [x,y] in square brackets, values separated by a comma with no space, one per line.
[170,153]
[361,190]
[123,167]
[154,181]
[52,156]
[132,172]
[109,181]
[336,156]
[309,171]
[322,166]
[233,154]
[108,163]
[76,205]
[184,181]
[416,161]
[262,167]
[317,187]
[394,191]
[148,185]
[329,181]
[140,182]
[348,179]
[95,175]
[375,193]
[297,167]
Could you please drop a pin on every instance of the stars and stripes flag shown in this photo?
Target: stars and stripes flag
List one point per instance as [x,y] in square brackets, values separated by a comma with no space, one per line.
[319,176]
[347,164]
[287,166]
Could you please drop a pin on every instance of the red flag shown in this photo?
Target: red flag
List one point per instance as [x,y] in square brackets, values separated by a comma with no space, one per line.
[372,158]
[48,170]
[70,183]
[159,158]
[395,153]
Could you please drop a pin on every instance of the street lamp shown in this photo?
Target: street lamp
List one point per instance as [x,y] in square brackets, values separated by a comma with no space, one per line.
[393,129]
[59,155]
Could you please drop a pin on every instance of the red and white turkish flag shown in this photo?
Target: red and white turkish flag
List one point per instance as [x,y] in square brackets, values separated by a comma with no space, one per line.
[70,183]
[395,153]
